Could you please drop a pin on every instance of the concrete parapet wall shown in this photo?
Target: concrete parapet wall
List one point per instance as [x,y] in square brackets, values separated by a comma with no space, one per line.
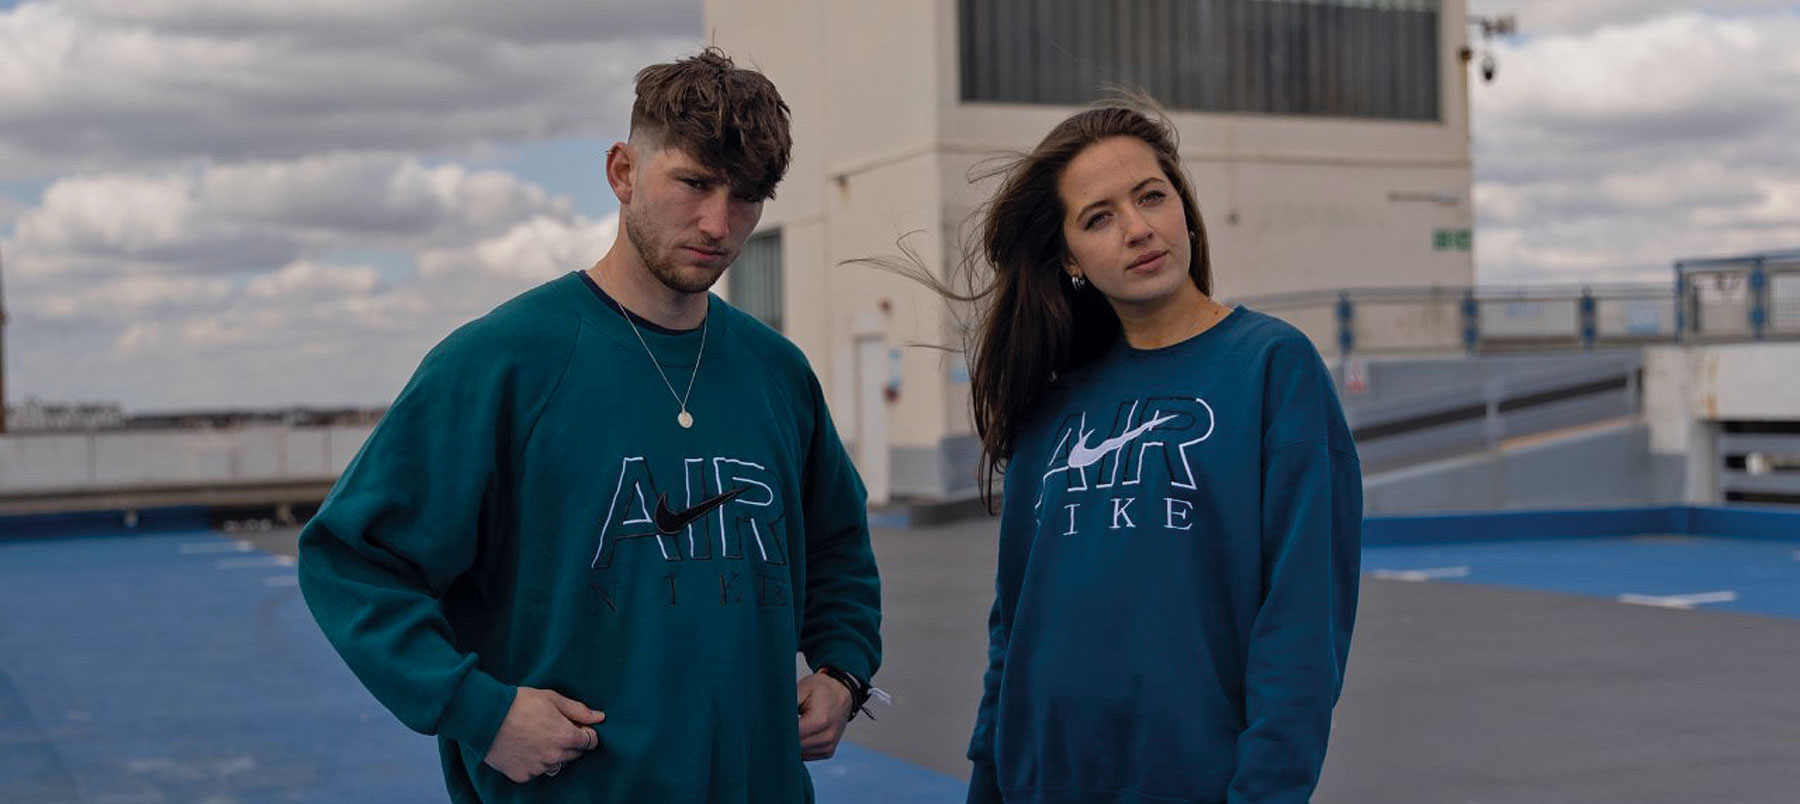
[113,460]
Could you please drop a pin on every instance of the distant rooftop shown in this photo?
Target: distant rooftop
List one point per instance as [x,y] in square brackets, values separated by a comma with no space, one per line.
[34,415]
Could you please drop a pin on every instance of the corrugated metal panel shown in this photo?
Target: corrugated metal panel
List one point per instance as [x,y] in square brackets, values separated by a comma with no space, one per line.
[1305,57]
[756,278]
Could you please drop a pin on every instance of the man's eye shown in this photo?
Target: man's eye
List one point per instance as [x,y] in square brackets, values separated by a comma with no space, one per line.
[698,184]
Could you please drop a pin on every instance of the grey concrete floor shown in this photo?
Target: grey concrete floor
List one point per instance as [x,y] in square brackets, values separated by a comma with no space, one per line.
[1457,693]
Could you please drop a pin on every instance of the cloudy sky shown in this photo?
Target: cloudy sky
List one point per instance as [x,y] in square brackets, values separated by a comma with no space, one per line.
[262,202]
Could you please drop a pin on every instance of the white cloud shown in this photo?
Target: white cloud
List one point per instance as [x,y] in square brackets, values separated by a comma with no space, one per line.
[10,209]
[266,203]
[144,297]
[260,216]
[139,287]
[536,249]
[382,196]
[1612,151]
[99,85]
[110,214]
[310,280]
[1558,17]
[310,333]
[390,20]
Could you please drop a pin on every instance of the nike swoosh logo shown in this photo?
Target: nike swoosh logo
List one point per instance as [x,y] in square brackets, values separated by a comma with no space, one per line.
[1081,455]
[670,523]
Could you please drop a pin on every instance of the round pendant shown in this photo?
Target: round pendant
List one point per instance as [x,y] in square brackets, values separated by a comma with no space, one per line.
[685,419]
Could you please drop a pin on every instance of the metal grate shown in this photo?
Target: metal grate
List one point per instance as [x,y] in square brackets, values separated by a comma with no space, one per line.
[1346,58]
[756,278]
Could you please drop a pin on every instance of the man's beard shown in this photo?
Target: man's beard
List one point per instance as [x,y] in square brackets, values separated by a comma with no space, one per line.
[643,239]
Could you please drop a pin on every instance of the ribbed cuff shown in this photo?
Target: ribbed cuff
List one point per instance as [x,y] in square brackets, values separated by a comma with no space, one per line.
[476,711]
[984,787]
[847,659]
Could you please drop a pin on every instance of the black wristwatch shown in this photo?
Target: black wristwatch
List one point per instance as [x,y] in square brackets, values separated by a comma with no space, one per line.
[859,690]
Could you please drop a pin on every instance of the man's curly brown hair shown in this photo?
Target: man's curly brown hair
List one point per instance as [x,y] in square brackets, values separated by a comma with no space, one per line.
[729,119]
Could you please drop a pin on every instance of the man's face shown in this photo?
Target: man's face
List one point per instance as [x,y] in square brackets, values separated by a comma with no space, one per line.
[685,220]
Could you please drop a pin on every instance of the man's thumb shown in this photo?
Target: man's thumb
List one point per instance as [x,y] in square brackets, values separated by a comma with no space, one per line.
[577,711]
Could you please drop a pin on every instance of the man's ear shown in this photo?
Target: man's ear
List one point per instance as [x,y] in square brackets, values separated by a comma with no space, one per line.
[621,162]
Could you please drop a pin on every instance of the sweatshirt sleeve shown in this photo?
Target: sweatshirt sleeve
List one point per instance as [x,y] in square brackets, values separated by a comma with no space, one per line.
[842,619]
[984,786]
[1016,526]
[1300,639]
[402,525]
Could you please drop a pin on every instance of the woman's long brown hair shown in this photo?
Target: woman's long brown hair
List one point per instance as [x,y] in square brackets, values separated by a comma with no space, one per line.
[1031,325]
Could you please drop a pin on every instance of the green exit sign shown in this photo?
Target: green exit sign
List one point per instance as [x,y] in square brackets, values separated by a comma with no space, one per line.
[1452,240]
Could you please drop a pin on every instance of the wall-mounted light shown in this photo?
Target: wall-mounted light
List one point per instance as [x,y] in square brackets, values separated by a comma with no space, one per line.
[1499,25]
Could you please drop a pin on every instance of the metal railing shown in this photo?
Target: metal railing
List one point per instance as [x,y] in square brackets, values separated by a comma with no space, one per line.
[1753,297]
[1477,319]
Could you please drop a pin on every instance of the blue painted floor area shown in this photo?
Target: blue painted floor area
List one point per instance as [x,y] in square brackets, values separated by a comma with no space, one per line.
[860,776]
[1763,576]
[185,668]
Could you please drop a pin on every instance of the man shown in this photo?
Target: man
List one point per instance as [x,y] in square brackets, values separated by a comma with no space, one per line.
[587,540]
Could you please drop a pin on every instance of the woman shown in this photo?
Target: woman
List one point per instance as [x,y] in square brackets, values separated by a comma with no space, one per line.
[1182,500]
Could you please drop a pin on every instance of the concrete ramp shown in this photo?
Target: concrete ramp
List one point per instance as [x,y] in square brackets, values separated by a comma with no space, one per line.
[1601,465]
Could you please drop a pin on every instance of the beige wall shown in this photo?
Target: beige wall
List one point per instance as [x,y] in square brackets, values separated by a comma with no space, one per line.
[884,146]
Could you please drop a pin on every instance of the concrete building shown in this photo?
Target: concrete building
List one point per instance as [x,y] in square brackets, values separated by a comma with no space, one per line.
[1327,140]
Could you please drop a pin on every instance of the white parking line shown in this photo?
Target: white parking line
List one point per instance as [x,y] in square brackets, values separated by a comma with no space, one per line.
[262,562]
[201,548]
[1680,601]
[1418,575]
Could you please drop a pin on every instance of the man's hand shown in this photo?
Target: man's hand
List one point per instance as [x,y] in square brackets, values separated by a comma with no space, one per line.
[542,731]
[824,711]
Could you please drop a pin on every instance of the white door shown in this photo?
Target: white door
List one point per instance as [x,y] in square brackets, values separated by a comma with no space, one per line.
[872,415]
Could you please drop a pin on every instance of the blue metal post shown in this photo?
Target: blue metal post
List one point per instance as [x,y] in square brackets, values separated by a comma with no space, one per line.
[1346,314]
[1471,320]
[1681,303]
[1759,299]
[1590,326]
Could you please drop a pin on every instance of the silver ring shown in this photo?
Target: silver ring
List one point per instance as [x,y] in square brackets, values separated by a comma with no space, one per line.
[553,769]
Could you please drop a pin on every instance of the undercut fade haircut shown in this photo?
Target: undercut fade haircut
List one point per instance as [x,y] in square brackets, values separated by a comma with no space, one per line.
[729,119]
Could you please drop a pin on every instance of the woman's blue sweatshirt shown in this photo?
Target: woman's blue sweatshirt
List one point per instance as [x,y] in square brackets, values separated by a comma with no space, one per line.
[1179,555]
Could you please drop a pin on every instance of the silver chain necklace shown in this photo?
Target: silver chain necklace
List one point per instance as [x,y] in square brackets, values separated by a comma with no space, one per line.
[684,418]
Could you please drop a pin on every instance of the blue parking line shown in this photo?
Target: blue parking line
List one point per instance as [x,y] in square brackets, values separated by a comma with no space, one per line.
[134,670]
[1764,574]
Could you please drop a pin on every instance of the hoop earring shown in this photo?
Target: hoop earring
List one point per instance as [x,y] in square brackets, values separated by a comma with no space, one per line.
[1078,282]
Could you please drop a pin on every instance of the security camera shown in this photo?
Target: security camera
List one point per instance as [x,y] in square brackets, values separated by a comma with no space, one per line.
[1487,67]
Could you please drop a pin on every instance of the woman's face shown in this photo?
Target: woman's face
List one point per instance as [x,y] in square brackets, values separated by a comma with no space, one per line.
[1125,224]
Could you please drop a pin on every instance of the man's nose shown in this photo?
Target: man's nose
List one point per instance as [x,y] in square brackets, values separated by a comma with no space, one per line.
[715,214]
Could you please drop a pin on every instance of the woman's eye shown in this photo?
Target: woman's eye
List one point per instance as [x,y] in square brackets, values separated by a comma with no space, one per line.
[1153,197]
[1096,220]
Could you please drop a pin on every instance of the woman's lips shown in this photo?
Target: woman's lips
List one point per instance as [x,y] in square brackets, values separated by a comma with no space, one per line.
[1148,262]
